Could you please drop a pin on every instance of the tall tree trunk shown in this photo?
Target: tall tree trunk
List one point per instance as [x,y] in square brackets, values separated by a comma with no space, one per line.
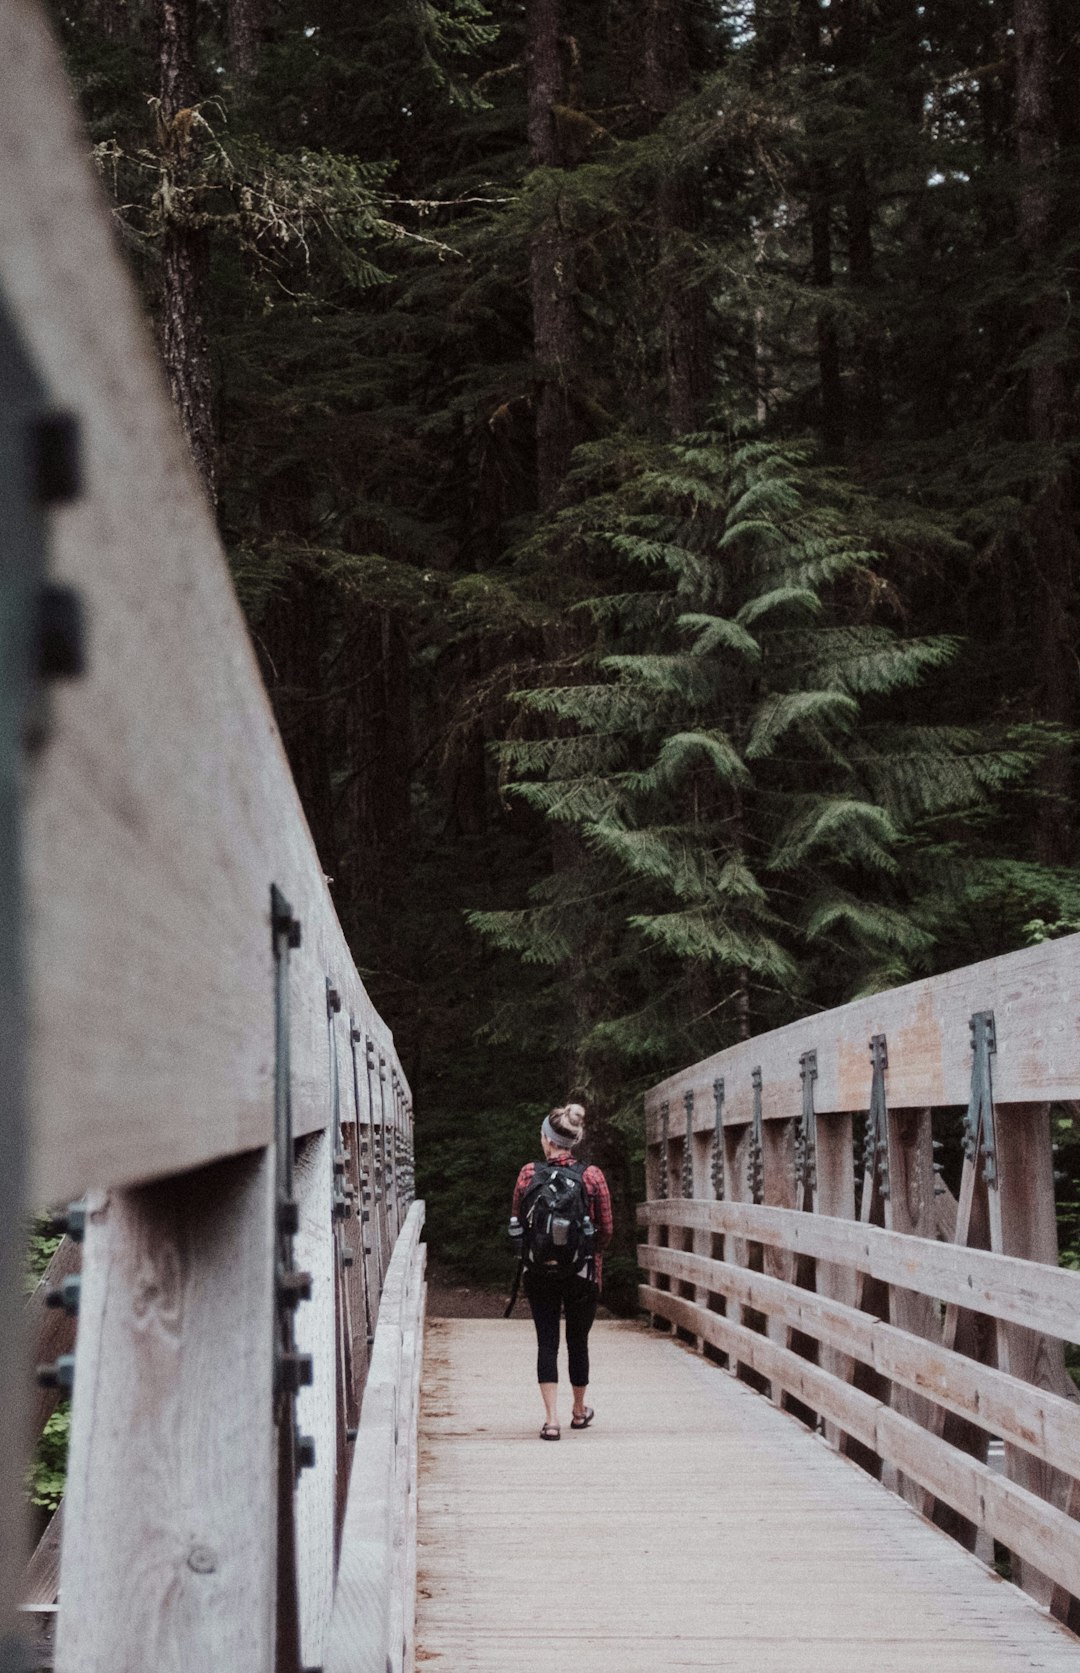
[867,404]
[185,251]
[683,306]
[556,333]
[1052,534]
[820,195]
[246,21]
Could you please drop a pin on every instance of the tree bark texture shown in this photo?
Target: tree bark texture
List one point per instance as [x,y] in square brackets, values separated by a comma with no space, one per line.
[1053,541]
[246,21]
[820,198]
[683,305]
[552,282]
[185,252]
[867,407]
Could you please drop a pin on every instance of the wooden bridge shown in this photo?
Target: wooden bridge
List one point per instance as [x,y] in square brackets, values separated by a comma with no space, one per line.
[845,1414]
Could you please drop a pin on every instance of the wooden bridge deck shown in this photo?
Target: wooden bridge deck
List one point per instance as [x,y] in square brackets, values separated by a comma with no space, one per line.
[693,1527]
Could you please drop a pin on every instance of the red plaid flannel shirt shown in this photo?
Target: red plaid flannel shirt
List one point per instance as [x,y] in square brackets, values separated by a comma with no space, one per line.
[596,1189]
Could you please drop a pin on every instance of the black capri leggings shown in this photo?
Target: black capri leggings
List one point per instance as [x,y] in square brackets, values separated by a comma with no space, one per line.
[548,1298]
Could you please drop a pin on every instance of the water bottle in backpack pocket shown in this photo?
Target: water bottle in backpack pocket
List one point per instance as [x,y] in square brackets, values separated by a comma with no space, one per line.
[554,1214]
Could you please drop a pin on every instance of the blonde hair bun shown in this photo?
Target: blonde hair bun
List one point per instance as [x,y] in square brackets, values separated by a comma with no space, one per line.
[569,1122]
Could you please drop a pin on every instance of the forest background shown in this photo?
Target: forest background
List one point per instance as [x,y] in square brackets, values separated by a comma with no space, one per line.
[645,437]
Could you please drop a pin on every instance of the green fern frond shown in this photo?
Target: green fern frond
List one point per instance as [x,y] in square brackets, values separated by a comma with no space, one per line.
[683,751]
[778,714]
[537,937]
[716,633]
[873,662]
[580,801]
[675,676]
[664,856]
[867,922]
[695,934]
[797,599]
[563,757]
[851,831]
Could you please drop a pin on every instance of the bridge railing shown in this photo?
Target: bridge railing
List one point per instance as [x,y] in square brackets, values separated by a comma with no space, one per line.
[208,1084]
[799,1228]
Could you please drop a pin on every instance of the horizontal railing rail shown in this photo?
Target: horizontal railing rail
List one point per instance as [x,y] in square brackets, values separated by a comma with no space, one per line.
[1034,995]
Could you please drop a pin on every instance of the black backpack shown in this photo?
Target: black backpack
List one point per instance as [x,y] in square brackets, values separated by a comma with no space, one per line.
[555,1221]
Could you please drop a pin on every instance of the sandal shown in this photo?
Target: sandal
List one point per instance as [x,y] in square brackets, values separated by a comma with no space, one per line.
[549,1432]
[583,1421]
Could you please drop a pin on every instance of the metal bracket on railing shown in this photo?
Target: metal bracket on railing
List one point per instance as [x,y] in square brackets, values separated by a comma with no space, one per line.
[718,1141]
[363,1211]
[755,1162]
[663,1184]
[688,1147]
[876,1142]
[979,1132]
[387,1173]
[806,1134]
[292,1370]
[369,1060]
[341,1202]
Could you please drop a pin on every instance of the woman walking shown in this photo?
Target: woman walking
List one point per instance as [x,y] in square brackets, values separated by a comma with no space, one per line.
[564,1210]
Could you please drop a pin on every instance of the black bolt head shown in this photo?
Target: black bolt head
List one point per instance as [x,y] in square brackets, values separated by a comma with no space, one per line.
[61,633]
[55,458]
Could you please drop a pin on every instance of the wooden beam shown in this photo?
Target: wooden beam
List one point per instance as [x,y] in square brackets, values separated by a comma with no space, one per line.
[909,1209]
[1042,1298]
[1023,1222]
[834,1196]
[41,1580]
[316,1405]
[1045,1424]
[1034,995]
[370,1630]
[168,1557]
[1038,1532]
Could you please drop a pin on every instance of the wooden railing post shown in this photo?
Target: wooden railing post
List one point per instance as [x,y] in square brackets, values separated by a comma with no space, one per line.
[1023,1222]
[779,1191]
[169,1543]
[701,1240]
[909,1207]
[834,1194]
[737,1249]
[658,1186]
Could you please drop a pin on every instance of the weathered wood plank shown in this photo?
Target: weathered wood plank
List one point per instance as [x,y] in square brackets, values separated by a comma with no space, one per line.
[1023,1222]
[716,1534]
[37,1629]
[834,1196]
[316,1406]
[1046,1425]
[1035,997]
[41,1580]
[1035,1530]
[169,1547]
[152,1022]
[909,1209]
[367,1629]
[1023,1292]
